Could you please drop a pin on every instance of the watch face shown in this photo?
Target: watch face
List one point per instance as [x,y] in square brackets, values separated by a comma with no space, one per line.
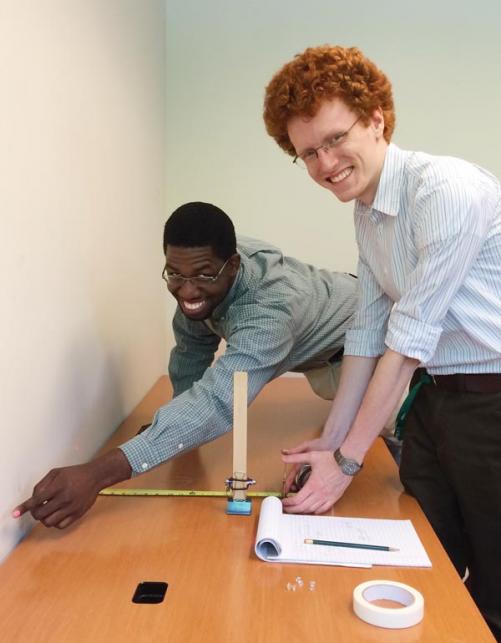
[348,467]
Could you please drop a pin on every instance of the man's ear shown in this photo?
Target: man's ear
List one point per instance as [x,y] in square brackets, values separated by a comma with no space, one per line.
[377,121]
[234,263]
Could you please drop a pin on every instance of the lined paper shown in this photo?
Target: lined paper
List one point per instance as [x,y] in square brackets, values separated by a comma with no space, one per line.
[280,538]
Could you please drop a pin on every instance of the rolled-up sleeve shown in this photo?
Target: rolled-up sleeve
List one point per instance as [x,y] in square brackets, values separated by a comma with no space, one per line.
[450,228]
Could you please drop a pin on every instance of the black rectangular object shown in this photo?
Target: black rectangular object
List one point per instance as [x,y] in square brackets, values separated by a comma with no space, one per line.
[150,592]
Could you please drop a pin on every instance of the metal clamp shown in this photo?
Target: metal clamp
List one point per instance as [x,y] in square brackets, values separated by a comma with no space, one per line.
[231,484]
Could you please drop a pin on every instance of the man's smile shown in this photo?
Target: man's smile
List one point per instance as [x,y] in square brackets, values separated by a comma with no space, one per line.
[340,176]
[192,306]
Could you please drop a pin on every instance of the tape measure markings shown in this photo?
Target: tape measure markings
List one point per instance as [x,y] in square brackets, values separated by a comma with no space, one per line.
[182,493]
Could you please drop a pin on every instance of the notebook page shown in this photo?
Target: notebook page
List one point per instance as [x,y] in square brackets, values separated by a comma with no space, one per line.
[293,529]
[392,533]
[269,539]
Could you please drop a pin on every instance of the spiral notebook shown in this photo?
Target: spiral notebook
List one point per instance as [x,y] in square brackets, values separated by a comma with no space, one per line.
[280,539]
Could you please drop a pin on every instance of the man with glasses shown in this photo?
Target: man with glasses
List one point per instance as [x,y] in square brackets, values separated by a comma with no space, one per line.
[429,237]
[276,314]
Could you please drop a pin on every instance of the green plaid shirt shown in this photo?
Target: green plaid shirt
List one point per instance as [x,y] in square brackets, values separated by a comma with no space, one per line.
[279,315]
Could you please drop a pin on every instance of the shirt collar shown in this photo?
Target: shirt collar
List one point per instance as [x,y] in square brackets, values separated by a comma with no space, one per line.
[387,199]
[236,288]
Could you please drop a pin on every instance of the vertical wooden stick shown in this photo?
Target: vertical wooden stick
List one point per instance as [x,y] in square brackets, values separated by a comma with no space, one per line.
[240,431]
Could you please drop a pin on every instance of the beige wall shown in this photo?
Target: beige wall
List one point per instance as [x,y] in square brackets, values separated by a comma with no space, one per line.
[82,175]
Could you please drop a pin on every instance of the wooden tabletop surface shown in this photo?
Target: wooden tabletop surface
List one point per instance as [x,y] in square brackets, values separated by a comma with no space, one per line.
[76,585]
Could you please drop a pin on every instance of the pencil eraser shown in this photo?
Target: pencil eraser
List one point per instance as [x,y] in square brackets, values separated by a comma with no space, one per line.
[16,513]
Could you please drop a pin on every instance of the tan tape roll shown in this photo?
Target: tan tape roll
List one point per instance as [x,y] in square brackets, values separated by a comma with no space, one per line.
[409,614]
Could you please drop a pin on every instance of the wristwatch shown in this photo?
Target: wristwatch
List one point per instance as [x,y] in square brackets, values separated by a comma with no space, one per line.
[348,466]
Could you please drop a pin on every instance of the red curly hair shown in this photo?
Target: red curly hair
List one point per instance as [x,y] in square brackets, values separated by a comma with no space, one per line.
[324,73]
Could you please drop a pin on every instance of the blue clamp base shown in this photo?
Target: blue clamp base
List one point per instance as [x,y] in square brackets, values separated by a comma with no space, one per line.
[239,507]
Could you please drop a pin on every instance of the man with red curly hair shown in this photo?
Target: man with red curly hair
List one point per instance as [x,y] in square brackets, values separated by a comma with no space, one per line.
[428,231]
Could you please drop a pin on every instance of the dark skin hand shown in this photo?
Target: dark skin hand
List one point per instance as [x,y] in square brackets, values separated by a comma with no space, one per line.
[66,493]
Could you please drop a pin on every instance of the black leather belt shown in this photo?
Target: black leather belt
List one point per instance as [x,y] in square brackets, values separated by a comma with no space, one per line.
[469,382]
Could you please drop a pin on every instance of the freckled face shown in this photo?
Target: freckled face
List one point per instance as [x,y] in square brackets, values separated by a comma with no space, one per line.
[197,301]
[352,169]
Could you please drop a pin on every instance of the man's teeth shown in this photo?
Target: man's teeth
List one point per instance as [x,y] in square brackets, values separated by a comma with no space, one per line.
[195,306]
[342,175]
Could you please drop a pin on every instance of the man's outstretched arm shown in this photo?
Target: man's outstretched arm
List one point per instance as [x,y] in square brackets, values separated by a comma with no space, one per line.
[194,417]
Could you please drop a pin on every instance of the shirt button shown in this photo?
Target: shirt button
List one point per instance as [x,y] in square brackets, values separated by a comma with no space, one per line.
[144,465]
[180,446]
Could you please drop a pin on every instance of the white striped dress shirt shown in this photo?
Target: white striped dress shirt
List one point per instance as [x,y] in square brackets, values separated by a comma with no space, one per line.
[430,265]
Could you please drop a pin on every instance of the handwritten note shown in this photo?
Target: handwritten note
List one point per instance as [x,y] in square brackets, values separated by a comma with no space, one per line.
[280,538]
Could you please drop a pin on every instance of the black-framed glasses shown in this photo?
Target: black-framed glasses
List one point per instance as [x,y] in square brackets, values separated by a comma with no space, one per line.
[310,157]
[175,279]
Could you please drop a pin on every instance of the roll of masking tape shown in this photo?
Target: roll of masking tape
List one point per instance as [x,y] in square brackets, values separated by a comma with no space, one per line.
[409,614]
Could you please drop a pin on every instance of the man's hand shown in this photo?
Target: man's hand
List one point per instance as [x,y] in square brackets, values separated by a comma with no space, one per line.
[318,444]
[65,494]
[324,487]
[62,496]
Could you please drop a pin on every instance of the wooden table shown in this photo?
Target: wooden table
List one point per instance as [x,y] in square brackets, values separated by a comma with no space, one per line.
[76,585]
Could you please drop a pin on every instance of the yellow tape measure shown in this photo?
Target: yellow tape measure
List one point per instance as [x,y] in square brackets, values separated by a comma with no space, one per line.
[183,492]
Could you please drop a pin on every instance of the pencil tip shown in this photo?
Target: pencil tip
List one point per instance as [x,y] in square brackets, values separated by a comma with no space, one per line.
[394,549]
[308,541]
